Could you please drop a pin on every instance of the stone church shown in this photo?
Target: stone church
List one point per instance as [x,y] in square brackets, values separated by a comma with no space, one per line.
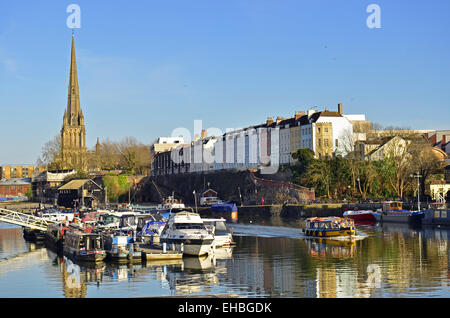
[73,131]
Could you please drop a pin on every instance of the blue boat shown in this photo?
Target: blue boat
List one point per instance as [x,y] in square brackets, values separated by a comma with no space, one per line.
[392,211]
[121,248]
[228,211]
[151,232]
[437,214]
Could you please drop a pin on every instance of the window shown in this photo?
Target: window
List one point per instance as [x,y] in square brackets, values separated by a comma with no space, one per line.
[325,141]
[320,142]
[318,130]
[326,130]
[337,143]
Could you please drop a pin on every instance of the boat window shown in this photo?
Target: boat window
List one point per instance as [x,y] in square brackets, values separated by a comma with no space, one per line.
[184,226]
[443,214]
[436,214]
[221,226]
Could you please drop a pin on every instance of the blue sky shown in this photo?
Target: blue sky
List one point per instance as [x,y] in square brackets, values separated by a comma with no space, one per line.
[148,67]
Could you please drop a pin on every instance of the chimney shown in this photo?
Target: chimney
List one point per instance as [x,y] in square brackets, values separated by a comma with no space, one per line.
[433,140]
[426,136]
[299,114]
[340,109]
[269,121]
[310,112]
[204,133]
[443,142]
[279,118]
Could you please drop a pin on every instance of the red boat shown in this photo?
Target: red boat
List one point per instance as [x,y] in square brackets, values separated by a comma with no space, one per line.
[363,215]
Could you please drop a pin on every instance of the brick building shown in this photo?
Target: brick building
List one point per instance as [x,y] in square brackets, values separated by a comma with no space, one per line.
[14,187]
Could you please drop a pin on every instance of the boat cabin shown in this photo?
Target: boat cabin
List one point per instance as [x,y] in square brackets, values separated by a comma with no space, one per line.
[329,223]
[392,206]
[217,226]
[84,241]
[128,220]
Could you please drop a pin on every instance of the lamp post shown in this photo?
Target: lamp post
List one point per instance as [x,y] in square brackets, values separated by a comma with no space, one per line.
[418,176]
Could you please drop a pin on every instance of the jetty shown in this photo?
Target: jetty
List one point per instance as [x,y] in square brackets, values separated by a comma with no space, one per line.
[154,253]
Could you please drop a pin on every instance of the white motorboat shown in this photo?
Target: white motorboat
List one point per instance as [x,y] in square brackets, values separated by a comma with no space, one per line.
[188,233]
[170,203]
[218,227]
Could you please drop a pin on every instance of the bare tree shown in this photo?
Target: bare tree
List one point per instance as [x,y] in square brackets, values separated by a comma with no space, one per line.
[134,156]
[51,154]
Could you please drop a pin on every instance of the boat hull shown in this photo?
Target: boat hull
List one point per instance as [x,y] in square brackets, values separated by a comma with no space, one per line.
[85,256]
[54,244]
[400,217]
[436,217]
[193,247]
[330,232]
[31,235]
[367,216]
[123,256]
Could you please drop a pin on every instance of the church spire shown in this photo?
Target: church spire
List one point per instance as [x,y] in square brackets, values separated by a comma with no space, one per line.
[73,100]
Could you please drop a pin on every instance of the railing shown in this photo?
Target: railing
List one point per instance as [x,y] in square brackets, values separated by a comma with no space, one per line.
[26,220]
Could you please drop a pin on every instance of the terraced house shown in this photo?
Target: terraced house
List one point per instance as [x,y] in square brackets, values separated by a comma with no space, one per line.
[271,144]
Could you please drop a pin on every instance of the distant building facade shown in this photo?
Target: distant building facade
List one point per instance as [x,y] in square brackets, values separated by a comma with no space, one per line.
[20,171]
[265,146]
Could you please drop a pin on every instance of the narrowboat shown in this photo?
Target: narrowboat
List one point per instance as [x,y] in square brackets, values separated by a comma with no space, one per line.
[121,248]
[392,211]
[188,233]
[33,235]
[81,246]
[437,214]
[329,227]
[54,237]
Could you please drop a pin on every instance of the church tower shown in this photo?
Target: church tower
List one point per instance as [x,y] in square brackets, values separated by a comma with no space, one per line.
[73,132]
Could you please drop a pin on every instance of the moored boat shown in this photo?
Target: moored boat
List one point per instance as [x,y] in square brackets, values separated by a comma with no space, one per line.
[329,227]
[84,246]
[392,211]
[151,232]
[170,203]
[360,215]
[228,211]
[437,214]
[33,235]
[188,233]
[54,237]
[218,227]
[121,248]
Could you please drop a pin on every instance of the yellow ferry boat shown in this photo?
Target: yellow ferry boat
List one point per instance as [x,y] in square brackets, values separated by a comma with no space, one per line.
[329,227]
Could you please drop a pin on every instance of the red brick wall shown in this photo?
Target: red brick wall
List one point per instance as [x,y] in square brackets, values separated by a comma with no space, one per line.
[13,190]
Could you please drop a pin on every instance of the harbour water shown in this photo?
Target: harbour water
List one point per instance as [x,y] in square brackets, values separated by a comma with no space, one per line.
[271,259]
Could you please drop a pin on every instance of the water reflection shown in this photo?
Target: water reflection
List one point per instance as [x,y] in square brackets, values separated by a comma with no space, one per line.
[183,276]
[269,260]
[331,248]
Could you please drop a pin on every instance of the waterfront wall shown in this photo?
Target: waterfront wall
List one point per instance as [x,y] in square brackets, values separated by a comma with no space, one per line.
[243,187]
[295,210]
